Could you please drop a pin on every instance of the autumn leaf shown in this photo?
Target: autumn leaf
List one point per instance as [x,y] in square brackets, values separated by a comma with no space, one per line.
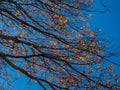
[53,43]
[64,22]
[90,72]
[64,85]
[17,13]
[82,57]
[93,44]
[98,82]
[93,34]
[31,46]
[61,19]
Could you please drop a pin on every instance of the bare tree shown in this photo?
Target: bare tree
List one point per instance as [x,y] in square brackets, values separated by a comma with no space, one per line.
[50,42]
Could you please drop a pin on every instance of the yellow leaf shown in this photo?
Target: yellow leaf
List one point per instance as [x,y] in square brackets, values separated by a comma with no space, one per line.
[92,34]
[31,46]
[70,59]
[53,43]
[17,13]
[83,43]
[83,58]
[61,19]
[64,85]
[65,21]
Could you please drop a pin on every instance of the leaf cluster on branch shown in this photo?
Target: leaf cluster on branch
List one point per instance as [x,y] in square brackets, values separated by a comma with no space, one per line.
[50,42]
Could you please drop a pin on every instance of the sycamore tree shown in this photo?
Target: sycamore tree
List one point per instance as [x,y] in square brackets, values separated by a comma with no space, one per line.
[50,42]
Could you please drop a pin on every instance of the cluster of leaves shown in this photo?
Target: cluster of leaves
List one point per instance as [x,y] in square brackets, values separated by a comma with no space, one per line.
[50,42]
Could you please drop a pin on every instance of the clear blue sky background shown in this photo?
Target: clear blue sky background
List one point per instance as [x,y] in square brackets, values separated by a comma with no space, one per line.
[109,22]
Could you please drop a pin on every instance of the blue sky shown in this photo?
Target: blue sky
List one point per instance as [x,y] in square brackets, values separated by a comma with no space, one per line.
[109,22]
